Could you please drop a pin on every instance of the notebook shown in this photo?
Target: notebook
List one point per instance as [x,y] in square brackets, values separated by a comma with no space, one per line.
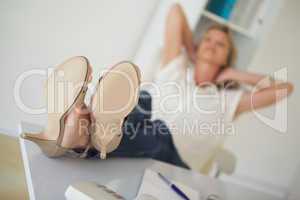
[154,186]
[88,190]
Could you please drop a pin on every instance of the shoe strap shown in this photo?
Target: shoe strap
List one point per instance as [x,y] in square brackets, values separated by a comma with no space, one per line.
[78,153]
[85,153]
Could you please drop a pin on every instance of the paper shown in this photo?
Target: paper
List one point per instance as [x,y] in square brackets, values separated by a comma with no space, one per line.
[154,186]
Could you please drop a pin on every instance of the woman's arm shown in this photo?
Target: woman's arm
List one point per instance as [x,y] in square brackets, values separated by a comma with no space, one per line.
[188,38]
[266,91]
[264,97]
[177,35]
[240,76]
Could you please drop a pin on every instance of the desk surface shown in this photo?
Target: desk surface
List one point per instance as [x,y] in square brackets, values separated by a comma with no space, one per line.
[48,179]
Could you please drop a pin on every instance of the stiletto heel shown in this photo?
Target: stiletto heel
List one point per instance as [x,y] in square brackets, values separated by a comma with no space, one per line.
[48,147]
[116,95]
[74,71]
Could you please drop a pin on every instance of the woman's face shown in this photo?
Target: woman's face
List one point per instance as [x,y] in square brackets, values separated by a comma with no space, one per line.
[214,48]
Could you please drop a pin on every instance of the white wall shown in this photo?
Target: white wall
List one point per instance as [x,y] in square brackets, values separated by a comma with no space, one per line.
[38,34]
[264,155]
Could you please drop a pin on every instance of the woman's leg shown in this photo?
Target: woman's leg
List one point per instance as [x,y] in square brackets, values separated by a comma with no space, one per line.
[137,137]
[142,111]
[145,138]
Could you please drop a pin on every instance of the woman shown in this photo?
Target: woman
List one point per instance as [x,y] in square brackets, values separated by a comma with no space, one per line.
[163,126]
[196,122]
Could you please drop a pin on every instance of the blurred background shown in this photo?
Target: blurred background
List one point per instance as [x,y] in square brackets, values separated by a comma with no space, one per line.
[40,34]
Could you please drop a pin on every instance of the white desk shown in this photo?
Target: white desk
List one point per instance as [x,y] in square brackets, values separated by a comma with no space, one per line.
[47,179]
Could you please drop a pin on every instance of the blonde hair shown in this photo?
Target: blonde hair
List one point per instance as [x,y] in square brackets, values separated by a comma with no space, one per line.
[232,55]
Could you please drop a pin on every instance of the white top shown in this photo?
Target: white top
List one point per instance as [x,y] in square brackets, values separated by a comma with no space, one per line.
[199,118]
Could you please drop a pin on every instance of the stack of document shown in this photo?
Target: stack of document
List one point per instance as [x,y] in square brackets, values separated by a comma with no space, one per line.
[154,186]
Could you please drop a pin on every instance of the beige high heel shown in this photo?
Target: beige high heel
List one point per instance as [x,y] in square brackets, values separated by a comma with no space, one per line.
[74,72]
[116,95]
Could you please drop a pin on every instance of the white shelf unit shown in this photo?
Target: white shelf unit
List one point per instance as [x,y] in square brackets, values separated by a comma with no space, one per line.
[231,25]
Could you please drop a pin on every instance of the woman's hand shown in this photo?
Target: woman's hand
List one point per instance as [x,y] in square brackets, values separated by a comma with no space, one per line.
[227,74]
[192,54]
[242,77]
[265,90]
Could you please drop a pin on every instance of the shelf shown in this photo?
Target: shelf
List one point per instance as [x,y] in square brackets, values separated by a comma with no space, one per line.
[232,26]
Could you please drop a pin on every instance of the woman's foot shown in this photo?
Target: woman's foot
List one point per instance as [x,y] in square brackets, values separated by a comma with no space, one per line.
[115,97]
[68,116]
[77,125]
[76,134]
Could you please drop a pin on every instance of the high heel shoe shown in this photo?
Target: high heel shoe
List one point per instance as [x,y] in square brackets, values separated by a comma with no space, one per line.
[75,73]
[116,95]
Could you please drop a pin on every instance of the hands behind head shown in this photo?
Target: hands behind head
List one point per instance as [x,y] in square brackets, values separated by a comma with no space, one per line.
[227,74]
[228,78]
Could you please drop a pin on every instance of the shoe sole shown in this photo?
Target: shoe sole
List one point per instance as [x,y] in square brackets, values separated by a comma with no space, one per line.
[116,95]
